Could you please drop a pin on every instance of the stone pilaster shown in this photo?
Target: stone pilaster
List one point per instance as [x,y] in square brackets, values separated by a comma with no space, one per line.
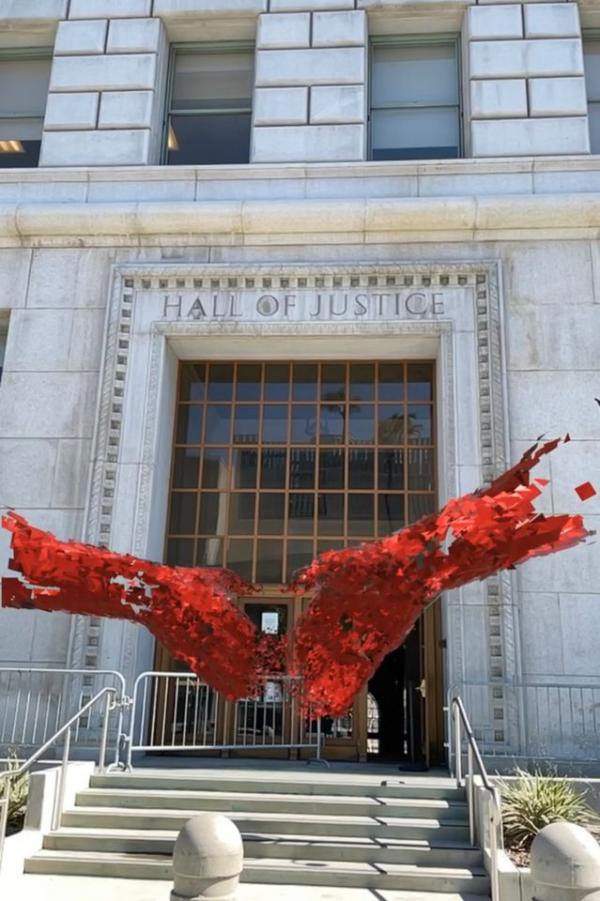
[106,94]
[525,86]
[311,70]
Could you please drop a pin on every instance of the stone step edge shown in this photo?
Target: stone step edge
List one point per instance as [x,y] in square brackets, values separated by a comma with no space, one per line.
[405,844]
[262,863]
[426,803]
[269,816]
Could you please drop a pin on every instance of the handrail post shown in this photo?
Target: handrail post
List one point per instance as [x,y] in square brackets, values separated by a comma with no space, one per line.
[471,795]
[4,815]
[62,778]
[104,739]
[457,744]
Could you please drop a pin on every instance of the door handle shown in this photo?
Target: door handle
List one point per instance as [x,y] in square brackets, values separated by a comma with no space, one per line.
[422,688]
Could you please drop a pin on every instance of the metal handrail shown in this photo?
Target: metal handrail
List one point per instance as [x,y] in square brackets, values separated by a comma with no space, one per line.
[460,721]
[8,775]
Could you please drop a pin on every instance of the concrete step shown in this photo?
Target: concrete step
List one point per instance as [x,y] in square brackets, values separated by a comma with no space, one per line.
[293,847]
[279,871]
[227,802]
[376,826]
[295,783]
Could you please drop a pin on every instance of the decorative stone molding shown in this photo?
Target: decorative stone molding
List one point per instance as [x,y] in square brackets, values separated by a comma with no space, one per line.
[135,286]
[359,220]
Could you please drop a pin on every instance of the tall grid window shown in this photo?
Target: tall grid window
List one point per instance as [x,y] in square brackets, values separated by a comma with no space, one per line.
[274,463]
[210,105]
[591,58]
[415,100]
[24,81]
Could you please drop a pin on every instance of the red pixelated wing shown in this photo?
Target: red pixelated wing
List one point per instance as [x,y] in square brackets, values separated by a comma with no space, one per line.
[367,599]
[190,611]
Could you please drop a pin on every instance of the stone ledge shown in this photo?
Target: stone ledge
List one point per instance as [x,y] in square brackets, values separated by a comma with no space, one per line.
[463,216]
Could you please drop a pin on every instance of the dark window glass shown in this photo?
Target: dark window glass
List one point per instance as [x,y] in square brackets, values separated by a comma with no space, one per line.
[391,513]
[220,381]
[420,468]
[269,559]
[213,513]
[420,505]
[277,382]
[333,382]
[180,552]
[245,468]
[331,514]
[391,381]
[360,515]
[239,557]
[248,382]
[391,424]
[591,59]
[420,382]
[183,513]
[246,424]
[189,425]
[271,509]
[217,424]
[215,468]
[241,513]
[209,552]
[391,470]
[275,422]
[420,425]
[415,101]
[362,424]
[299,554]
[361,468]
[304,424]
[305,381]
[211,107]
[24,81]
[332,424]
[331,468]
[187,464]
[301,514]
[193,378]
[362,381]
[273,468]
[302,467]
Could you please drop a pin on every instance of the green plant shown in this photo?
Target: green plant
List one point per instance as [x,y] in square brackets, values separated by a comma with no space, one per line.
[17,789]
[533,801]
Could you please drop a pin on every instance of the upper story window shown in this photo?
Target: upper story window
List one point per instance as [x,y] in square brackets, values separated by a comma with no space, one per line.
[24,80]
[591,58]
[415,99]
[210,105]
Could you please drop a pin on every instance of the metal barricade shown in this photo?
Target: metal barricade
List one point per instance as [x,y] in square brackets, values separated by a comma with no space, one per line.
[542,721]
[178,712]
[36,701]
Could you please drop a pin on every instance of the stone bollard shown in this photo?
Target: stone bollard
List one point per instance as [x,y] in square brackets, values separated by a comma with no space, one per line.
[565,864]
[207,860]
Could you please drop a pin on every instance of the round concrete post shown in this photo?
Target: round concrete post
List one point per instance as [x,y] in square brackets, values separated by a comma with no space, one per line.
[207,860]
[565,864]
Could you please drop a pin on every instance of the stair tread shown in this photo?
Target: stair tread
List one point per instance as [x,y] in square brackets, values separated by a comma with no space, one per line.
[374,801]
[267,837]
[272,816]
[273,863]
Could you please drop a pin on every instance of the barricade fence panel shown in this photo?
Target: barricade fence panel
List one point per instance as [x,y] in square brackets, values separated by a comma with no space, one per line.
[179,712]
[36,702]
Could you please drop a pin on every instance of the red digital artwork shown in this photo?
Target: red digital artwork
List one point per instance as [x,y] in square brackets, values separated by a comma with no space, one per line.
[364,600]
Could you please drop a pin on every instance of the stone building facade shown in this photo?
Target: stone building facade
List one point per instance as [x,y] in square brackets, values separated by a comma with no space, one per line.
[404,185]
